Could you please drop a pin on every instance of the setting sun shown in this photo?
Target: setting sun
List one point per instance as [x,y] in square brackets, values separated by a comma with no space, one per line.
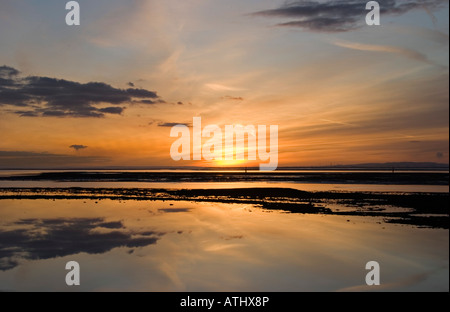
[229,163]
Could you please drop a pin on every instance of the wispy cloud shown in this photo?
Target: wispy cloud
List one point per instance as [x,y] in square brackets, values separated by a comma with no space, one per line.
[221,87]
[337,122]
[412,54]
[232,98]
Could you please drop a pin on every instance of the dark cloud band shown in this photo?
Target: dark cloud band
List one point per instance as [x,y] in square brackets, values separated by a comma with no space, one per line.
[26,160]
[339,16]
[51,97]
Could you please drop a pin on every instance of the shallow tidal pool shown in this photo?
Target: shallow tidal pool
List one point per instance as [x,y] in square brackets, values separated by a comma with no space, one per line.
[200,246]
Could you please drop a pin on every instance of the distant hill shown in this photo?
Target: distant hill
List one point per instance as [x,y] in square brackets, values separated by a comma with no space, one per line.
[397,165]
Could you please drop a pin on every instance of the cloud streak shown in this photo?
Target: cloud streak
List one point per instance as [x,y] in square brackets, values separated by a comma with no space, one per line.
[36,96]
[78,147]
[173,124]
[414,55]
[23,159]
[221,87]
[232,98]
[342,15]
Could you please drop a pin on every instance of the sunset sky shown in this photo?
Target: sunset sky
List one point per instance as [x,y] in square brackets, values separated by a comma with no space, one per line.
[107,92]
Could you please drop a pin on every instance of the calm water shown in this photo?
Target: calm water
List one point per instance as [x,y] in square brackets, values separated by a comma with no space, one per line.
[192,246]
[226,185]
[352,187]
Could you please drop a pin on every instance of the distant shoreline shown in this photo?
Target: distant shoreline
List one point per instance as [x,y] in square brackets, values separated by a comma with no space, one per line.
[343,177]
[439,168]
[398,166]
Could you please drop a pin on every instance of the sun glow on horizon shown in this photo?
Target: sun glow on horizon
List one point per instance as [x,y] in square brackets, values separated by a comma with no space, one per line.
[229,163]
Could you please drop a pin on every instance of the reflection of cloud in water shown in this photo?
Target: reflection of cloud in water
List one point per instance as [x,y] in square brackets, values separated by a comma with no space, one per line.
[230,237]
[403,283]
[221,247]
[172,210]
[51,238]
